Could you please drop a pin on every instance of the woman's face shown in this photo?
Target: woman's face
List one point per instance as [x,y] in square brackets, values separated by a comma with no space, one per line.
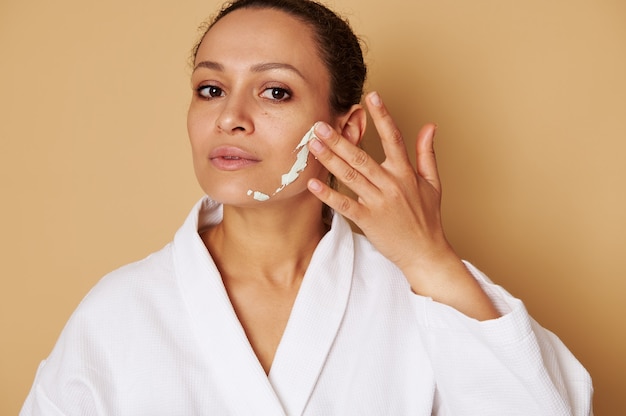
[258,87]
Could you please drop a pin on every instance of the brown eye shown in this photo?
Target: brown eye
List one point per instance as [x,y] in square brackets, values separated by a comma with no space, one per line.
[276,94]
[210,91]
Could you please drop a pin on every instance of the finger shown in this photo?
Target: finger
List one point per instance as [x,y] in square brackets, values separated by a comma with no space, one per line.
[390,135]
[339,202]
[425,156]
[350,153]
[345,172]
[348,162]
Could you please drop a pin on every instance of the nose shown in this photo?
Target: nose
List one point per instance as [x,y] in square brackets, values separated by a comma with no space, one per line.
[236,114]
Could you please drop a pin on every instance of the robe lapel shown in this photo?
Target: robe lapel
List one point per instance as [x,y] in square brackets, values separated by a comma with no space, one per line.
[239,376]
[315,319]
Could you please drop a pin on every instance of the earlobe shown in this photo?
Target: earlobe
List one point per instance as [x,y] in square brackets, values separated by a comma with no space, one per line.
[353,124]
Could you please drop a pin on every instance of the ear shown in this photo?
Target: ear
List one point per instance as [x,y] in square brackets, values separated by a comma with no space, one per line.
[352,124]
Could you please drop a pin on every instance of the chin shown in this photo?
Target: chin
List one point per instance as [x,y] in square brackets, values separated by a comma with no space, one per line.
[252,198]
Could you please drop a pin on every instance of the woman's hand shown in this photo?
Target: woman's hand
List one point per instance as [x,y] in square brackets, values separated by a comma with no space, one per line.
[399,208]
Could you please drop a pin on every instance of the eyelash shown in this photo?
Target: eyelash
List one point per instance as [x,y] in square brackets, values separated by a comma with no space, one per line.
[285,93]
[201,90]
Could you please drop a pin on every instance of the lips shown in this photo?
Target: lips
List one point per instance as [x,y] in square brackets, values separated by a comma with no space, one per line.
[231,158]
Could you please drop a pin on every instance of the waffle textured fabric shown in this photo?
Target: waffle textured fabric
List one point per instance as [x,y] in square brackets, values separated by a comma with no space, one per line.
[160,337]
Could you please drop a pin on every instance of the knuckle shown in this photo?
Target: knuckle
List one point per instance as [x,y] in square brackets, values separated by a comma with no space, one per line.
[344,205]
[350,175]
[394,193]
[360,158]
[396,135]
[407,173]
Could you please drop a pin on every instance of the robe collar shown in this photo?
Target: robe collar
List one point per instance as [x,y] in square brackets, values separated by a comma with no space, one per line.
[312,327]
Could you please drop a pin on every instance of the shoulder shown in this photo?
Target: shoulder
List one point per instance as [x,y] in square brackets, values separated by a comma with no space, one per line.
[128,305]
[119,324]
[151,273]
[150,280]
[124,294]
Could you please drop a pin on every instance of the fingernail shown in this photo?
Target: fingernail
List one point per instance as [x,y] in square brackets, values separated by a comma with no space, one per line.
[316,145]
[322,130]
[314,185]
[375,99]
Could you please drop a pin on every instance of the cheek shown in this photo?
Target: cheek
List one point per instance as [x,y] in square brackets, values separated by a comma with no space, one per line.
[317,170]
[190,123]
[196,130]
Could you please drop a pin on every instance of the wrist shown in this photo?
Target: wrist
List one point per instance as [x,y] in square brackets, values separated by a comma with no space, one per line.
[445,279]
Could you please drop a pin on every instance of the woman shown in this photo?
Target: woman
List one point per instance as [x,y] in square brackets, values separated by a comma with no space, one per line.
[266,303]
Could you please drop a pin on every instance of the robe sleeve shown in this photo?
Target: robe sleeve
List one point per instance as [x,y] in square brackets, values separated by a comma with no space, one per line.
[510,365]
[37,403]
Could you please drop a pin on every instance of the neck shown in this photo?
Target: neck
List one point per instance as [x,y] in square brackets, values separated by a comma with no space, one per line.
[273,242]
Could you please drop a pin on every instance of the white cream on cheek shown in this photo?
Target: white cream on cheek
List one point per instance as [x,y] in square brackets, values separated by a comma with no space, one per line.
[296,168]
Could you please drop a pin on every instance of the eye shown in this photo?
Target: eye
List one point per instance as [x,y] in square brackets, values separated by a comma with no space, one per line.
[210,91]
[276,94]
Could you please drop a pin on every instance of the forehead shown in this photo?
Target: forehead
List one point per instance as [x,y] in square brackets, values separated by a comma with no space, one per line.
[262,35]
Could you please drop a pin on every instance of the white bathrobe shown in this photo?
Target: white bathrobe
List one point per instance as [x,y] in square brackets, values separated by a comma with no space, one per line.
[160,337]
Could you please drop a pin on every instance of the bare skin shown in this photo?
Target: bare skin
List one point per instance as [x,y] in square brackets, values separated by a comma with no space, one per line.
[263,287]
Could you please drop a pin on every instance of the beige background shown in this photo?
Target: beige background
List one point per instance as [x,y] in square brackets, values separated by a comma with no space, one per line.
[530,97]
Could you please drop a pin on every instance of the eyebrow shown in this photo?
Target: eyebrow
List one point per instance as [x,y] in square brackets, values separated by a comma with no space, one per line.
[255,68]
[209,65]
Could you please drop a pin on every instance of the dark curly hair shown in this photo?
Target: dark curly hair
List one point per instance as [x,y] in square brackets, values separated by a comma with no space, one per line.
[339,47]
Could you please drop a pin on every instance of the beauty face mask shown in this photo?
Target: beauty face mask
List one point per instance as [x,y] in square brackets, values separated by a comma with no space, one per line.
[301,162]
